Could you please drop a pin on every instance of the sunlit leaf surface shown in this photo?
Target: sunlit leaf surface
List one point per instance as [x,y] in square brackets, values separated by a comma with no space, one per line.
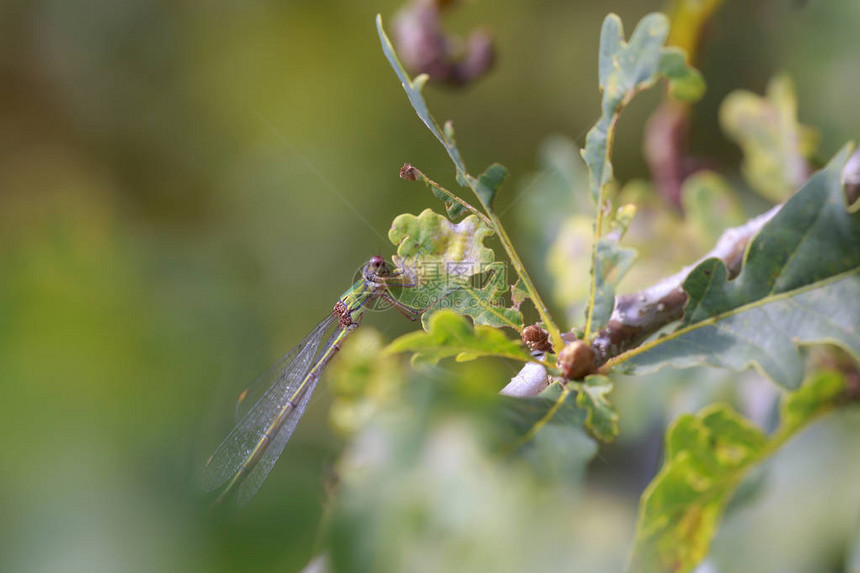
[451,268]
[449,334]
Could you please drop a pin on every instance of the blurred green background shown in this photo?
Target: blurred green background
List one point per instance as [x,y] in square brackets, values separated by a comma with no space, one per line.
[162,240]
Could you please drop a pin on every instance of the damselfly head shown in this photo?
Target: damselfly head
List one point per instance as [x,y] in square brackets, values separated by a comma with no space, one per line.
[376,267]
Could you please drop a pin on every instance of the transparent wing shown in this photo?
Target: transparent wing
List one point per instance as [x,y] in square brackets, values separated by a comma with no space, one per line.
[251,394]
[288,374]
[260,471]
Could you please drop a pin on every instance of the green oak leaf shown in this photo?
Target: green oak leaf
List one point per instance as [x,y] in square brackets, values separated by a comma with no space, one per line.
[707,456]
[800,284]
[480,297]
[602,418]
[775,145]
[449,334]
[625,69]
[825,391]
[452,269]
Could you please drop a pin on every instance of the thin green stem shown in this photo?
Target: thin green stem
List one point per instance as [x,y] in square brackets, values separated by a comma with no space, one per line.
[598,225]
[592,291]
[496,224]
[549,324]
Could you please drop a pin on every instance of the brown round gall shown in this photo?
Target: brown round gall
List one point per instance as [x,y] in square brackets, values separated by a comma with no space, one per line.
[576,360]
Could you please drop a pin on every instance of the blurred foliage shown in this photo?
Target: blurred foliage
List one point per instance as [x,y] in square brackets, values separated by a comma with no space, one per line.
[161,242]
[776,148]
[362,383]
[710,206]
[434,501]
[689,18]
[707,455]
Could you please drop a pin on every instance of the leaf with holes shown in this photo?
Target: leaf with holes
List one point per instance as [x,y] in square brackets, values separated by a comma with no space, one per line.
[625,69]
[519,294]
[432,249]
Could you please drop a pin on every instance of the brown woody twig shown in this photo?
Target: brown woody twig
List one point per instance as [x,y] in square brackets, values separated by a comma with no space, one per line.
[639,315]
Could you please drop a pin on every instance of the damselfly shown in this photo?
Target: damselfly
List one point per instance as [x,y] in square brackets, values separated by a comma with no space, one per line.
[265,424]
